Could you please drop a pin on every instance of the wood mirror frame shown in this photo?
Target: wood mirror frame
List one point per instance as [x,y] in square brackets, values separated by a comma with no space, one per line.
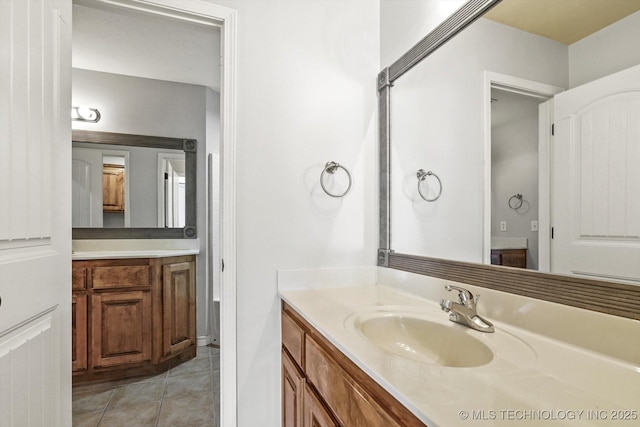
[597,295]
[189,146]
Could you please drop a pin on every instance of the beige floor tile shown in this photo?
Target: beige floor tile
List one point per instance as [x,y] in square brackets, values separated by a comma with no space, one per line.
[140,415]
[91,402]
[87,420]
[131,394]
[95,387]
[201,423]
[189,384]
[193,366]
[187,410]
[202,351]
[143,379]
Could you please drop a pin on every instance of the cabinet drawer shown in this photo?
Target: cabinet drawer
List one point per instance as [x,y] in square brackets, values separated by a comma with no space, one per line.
[292,338]
[351,404]
[121,276]
[78,279]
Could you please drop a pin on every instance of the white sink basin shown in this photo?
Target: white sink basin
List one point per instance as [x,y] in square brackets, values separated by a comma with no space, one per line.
[428,336]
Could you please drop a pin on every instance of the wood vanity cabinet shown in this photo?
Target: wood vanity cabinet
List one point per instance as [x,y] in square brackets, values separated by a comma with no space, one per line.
[321,387]
[132,316]
[113,188]
[509,257]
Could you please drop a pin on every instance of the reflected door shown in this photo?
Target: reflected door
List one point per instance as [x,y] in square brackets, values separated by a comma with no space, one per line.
[87,188]
[596,205]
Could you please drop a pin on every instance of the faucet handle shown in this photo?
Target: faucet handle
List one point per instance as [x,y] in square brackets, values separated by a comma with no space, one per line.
[464,295]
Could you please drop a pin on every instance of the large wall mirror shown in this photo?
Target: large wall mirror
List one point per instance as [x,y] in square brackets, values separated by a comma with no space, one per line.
[524,118]
[133,186]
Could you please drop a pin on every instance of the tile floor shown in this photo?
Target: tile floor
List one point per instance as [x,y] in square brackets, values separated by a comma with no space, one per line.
[185,396]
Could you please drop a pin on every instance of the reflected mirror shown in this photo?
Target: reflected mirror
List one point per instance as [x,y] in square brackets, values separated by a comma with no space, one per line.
[132,186]
[528,122]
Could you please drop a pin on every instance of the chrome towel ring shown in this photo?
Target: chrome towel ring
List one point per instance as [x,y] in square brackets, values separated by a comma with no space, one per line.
[332,167]
[517,204]
[422,176]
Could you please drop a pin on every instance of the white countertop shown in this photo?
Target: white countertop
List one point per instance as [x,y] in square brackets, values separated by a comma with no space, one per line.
[133,248]
[498,243]
[120,254]
[560,385]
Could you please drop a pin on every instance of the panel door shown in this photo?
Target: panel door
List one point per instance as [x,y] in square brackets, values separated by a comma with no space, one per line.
[596,200]
[113,188]
[315,414]
[179,305]
[35,214]
[292,392]
[87,188]
[120,328]
[79,331]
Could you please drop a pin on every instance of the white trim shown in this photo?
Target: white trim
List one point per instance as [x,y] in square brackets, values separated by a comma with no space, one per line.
[226,18]
[528,88]
[545,115]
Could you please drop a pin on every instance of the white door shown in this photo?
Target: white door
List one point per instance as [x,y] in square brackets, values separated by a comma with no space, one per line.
[86,189]
[596,205]
[35,213]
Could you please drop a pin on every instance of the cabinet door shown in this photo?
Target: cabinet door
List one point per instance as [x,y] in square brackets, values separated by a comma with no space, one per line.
[179,306]
[120,328]
[79,331]
[292,392]
[315,414]
[113,188]
[350,402]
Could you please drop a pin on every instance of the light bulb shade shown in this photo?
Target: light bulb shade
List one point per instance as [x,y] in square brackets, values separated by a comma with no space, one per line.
[85,114]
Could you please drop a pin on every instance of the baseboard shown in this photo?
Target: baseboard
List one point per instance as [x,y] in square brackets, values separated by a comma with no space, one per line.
[203,341]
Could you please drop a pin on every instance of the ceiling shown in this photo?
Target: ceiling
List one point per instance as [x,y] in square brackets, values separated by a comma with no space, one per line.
[565,21]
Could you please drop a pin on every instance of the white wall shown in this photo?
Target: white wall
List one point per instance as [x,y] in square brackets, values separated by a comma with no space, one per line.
[114,40]
[158,108]
[514,168]
[306,95]
[437,124]
[612,49]
[405,22]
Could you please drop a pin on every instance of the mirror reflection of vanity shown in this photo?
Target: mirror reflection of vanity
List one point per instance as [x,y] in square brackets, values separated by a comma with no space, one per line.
[449,106]
[133,185]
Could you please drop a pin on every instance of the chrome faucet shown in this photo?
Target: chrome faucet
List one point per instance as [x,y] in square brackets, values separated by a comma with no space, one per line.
[464,311]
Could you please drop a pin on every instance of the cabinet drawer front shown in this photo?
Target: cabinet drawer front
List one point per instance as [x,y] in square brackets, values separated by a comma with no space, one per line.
[125,276]
[351,405]
[292,338]
[78,279]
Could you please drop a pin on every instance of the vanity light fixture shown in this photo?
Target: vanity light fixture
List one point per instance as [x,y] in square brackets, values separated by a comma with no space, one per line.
[85,114]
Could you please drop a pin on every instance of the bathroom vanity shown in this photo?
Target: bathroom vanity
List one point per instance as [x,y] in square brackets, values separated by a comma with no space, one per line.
[385,354]
[322,387]
[133,313]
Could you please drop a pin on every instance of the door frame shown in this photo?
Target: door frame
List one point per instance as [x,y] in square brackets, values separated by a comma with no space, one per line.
[226,19]
[536,90]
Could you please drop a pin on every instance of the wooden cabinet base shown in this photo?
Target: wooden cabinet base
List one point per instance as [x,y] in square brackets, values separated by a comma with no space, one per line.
[132,371]
[132,317]
[335,392]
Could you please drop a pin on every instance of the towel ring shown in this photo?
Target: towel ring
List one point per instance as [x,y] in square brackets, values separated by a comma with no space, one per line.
[518,203]
[422,175]
[332,167]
